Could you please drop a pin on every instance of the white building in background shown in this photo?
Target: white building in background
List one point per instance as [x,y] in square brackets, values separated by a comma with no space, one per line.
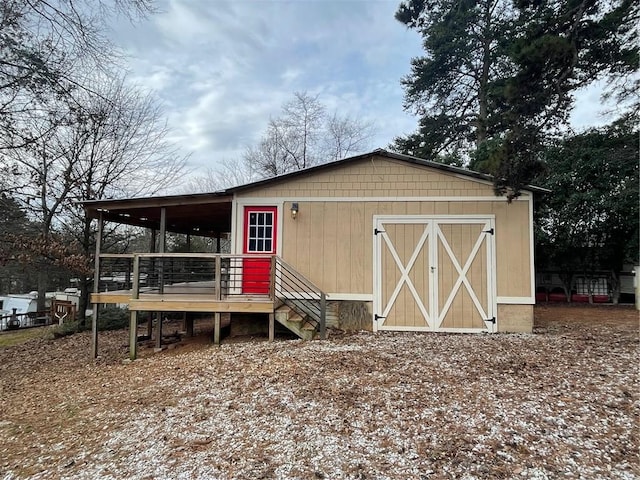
[27,303]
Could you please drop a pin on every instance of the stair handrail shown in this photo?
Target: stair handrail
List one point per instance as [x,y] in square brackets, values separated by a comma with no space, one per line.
[321,321]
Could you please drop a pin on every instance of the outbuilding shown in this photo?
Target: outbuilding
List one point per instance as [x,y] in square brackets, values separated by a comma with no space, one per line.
[409,244]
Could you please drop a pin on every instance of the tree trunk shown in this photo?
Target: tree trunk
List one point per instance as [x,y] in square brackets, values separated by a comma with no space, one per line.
[567,280]
[483,108]
[615,287]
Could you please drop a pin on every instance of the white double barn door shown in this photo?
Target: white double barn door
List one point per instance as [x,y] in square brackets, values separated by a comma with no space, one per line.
[434,273]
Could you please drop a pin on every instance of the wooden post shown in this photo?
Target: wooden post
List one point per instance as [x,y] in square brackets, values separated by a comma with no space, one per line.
[218,242]
[149,324]
[159,331]
[135,285]
[133,334]
[161,247]
[188,319]
[152,261]
[152,243]
[218,294]
[272,326]
[216,328]
[150,274]
[96,286]
[218,278]
[323,316]
[133,314]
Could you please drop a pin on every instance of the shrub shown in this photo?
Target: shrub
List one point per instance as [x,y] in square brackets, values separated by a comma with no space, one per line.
[113,318]
[68,328]
[110,318]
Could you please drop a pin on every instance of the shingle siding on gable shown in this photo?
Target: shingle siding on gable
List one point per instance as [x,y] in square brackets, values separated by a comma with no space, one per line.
[378,177]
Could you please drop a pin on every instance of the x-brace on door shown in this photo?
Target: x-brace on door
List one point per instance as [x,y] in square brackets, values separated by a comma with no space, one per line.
[434,273]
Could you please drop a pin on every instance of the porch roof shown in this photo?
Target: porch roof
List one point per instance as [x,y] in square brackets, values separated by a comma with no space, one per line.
[204,214]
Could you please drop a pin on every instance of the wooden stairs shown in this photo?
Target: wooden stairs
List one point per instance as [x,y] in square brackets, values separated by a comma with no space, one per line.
[298,323]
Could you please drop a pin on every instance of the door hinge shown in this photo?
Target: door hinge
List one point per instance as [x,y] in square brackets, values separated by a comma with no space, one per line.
[376,231]
[490,231]
[491,320]
[376,317]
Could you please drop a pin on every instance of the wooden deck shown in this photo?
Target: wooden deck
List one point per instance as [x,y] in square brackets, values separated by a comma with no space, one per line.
[204,283]
[186,297]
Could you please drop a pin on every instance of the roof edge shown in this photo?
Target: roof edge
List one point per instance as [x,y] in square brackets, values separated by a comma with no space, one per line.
[383,153]
[177,199]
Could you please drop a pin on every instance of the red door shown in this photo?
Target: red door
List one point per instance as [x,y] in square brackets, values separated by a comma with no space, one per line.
[260,240]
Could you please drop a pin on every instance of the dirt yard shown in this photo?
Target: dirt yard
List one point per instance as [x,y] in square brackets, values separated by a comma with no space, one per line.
[563,402]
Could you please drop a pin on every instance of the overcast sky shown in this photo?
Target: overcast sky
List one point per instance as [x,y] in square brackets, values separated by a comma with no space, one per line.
[223,68]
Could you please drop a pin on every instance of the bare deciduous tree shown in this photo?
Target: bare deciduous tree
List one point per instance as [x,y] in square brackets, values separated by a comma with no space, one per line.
[110,142]
[346,135]
[229,174]
[46,49]
[304,135]
[119,149]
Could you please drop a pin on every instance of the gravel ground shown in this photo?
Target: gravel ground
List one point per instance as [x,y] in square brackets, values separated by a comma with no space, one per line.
[563,402]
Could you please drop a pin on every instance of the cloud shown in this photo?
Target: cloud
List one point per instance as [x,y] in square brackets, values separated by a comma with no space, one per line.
[224,68]
[589,109]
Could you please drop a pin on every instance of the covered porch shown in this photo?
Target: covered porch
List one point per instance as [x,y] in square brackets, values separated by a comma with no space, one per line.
[213,283]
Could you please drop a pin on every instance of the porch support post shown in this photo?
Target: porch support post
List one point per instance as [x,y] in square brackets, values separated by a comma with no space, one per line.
[161,247]
[272,326]
[133,314]
[133,334]
[159,330]
[96,282]
[218,278]
[216,328]
[152,263]
[188,324]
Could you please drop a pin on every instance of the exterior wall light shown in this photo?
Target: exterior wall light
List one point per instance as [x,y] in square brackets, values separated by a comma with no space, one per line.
[294,210]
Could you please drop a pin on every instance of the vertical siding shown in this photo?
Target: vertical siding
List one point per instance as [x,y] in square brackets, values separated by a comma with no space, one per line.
[332,242]
[513,249]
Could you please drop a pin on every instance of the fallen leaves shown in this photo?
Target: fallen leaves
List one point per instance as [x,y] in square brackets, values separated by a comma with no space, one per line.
[562,402]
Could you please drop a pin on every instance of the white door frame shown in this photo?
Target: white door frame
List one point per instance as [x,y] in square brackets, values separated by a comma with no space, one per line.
[435,315]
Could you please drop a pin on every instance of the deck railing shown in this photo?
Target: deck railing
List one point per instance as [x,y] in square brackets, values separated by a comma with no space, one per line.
[297,291]
[221,275]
